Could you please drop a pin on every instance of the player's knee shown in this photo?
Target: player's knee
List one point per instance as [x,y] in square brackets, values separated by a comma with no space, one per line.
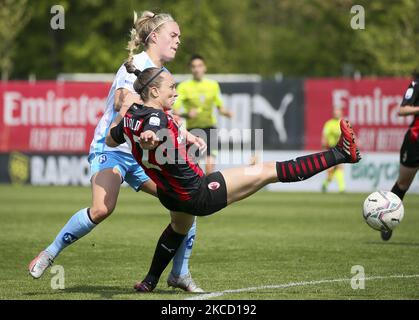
[100,213]
[182,226]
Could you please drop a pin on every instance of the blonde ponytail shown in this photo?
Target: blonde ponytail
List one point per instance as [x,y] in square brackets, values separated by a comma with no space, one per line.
[144,25]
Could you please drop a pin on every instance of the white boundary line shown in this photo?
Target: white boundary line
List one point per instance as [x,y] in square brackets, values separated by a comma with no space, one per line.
[295,284]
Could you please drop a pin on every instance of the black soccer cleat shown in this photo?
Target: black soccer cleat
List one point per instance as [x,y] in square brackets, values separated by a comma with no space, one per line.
[147,285]
[144,286]
[386,235]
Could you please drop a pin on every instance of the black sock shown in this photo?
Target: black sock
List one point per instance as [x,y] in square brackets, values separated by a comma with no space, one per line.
[305,167]
[397,191]
[166,249]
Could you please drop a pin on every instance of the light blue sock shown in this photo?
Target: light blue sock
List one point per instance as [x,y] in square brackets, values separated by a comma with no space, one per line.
[78,226]
[181,258]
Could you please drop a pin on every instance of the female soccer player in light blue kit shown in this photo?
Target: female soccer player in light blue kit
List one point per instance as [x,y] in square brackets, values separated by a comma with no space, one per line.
[160,36]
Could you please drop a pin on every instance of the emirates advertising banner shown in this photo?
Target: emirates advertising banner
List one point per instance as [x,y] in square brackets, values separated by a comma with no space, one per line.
[50,117]
[371,105]
[46,127]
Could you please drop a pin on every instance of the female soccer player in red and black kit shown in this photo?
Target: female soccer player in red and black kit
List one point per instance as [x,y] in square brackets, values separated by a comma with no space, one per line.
[409,152]
[167,154]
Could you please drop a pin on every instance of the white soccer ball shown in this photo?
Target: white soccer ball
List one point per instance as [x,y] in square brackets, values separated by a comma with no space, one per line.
[383,210]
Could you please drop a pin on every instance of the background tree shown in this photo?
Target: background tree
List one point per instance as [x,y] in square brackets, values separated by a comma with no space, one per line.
[295,38]
[13,18]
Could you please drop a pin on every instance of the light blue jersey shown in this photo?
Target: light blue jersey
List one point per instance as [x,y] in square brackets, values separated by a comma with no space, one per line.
[101,156]
[123,80]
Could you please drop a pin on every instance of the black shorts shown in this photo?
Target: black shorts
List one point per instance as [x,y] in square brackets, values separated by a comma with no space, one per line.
[210,198]
[409,152]
[210,137]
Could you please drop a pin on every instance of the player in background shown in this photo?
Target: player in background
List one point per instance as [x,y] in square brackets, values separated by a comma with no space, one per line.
[167,154]
[409,152]
[159,34]
[196,102]
[330,137]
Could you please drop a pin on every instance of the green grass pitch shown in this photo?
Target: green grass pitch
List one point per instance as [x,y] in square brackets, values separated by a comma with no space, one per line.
[270,239]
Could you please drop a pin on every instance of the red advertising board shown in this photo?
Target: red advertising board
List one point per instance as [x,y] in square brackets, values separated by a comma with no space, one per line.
[54,117]
[371,105]
[49,116]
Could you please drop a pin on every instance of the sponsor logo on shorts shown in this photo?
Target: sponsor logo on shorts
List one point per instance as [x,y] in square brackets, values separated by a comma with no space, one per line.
[102,159]
[213,185]
[69,238]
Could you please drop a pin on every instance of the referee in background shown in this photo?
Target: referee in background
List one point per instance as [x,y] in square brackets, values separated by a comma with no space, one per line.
[330,137]
[196,102]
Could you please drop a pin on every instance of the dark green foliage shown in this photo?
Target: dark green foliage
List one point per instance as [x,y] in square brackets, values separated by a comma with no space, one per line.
[293,37]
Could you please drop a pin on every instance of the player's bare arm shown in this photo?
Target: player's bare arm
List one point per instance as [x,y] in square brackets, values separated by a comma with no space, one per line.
[408,111]
[110,142]
[124,99]
[198,141]
[149,140]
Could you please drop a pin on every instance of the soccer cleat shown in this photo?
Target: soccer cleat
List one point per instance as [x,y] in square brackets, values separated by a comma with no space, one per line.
[185,283]
[41,263]
[144,286]
[347,144]
[386,235]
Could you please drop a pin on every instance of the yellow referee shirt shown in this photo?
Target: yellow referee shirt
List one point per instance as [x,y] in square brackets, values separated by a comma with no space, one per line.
[201,95]
[331,131]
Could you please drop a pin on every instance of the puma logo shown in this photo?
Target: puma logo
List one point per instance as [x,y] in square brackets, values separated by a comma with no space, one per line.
[265,109]
[170,250]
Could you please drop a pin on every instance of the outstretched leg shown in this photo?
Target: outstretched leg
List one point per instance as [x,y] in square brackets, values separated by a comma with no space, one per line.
[243,182]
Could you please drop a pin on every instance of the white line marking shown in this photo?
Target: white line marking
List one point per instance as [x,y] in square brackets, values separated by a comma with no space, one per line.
[294,284]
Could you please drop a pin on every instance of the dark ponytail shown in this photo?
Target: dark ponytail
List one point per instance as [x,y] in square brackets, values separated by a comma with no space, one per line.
[147,78]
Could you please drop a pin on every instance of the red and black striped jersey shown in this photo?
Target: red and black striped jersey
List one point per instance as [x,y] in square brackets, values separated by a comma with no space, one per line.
[411,98]
[173,165]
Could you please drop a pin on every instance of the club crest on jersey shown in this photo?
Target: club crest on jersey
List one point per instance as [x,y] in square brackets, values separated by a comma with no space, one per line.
[213,185]
[102,158]
[69,238]
[409,93]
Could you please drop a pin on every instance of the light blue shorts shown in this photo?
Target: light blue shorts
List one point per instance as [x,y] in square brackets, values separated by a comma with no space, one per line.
[130,170]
